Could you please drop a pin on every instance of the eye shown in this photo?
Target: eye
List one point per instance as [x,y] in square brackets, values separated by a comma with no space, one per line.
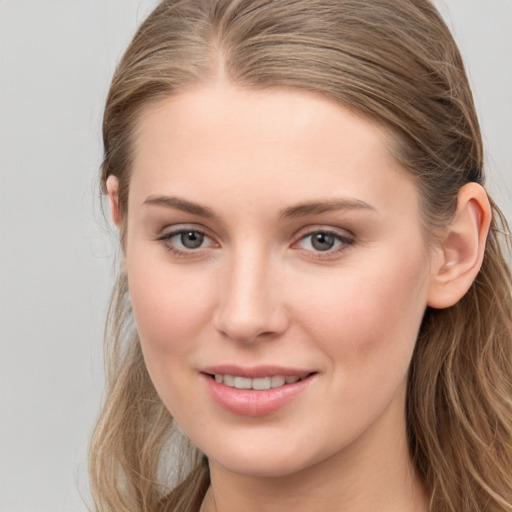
[189,239]
[321,241]
[185,241]
[324,241]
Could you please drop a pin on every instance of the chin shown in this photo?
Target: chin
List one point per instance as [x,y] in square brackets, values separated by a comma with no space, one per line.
[274,460]
[270,467]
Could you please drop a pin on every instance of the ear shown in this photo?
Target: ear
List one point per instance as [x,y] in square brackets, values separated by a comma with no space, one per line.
[112,184]
[460,253]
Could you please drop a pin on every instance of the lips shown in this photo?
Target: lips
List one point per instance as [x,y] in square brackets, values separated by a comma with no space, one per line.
[255,391]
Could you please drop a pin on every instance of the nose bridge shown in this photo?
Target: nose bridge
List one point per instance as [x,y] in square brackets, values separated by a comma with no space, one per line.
[250,304]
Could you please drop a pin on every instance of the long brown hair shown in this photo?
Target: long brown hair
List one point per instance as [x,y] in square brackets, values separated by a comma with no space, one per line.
[391,61]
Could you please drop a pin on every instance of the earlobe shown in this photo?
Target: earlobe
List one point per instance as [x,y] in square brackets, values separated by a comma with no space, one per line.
[461,249]
[112,185]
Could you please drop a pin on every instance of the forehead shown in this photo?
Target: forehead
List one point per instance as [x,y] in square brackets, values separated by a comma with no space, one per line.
[283,143]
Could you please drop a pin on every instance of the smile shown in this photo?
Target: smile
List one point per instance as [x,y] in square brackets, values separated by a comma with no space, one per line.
[259,384]
[256,392]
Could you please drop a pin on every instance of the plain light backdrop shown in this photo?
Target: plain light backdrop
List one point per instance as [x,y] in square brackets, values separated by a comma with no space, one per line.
[56,255]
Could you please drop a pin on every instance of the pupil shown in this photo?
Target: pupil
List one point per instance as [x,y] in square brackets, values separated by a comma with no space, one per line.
[192,239]
[322,242]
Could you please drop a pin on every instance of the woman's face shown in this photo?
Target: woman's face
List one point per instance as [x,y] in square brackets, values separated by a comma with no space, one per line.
[278,274]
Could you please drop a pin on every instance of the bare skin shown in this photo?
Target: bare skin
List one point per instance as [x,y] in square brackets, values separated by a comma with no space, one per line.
[356,484]
[272,232]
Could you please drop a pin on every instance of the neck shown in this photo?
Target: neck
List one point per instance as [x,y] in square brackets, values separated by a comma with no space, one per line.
[374,473]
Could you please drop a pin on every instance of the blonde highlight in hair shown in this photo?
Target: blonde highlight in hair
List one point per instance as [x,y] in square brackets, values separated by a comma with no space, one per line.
[395,63]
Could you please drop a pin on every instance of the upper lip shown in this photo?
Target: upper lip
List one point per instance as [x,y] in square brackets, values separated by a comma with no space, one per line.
[255,372]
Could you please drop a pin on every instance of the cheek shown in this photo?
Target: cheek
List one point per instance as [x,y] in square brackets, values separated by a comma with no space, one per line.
[367,325]
[370,314]
[170,306]
[170,312]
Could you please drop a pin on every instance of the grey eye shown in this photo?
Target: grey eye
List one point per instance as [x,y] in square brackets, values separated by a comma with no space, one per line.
[322,241]
[191,239]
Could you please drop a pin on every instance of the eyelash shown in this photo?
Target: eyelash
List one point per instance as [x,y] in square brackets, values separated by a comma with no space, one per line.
[343,242]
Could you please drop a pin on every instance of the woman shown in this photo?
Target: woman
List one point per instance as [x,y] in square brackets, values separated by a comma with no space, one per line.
[313,289]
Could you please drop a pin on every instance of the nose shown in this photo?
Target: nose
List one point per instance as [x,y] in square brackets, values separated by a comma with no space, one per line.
[251,306]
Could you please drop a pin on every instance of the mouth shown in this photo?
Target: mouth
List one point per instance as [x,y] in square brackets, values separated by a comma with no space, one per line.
[256,391]
[257,383]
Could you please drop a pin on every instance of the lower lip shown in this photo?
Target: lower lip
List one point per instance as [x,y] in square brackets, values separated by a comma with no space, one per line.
[248,402]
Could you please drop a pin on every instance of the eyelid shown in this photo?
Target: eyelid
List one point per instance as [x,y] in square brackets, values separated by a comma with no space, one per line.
[322,228]
[168,229]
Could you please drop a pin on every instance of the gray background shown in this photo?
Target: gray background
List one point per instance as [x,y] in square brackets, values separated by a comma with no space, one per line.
[56,253]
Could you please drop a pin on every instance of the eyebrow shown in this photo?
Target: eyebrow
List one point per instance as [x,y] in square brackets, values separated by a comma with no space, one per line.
[301,210]
[181,204]
[314,208]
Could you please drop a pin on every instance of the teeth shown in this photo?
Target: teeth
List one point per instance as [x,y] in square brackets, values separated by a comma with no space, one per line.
[228,380]
[259,384]
[243,383]
[277,381]
[263,383]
